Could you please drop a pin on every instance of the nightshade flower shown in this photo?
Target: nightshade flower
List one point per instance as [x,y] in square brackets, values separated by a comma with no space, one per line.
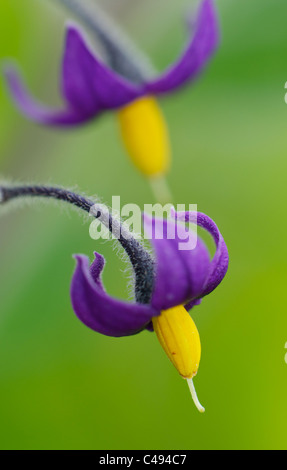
[90,86]
[167,284]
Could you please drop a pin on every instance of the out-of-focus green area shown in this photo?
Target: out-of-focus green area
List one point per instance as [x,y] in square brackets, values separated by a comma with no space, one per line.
[63,386]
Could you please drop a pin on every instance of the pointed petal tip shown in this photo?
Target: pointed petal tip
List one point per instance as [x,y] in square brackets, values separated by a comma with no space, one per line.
[74,29]
[202,43]
[79,258]
[11,72]
[33,109]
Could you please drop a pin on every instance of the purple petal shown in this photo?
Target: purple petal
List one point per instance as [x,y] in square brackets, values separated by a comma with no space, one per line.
[34,110]
[199,50]
[87,83]
[180,274]
[100,312]
[219,264]
[88,86]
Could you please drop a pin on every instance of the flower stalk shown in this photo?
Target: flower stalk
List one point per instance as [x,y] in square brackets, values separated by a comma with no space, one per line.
[141,260]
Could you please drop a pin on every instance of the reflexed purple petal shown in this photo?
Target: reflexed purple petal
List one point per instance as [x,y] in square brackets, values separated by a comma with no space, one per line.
[219,264]
[100,312]
[180,274]
[199,50]
[35,110]
[87,83]
[89,87]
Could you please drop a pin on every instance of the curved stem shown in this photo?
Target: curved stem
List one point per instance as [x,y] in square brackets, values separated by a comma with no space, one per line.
[141,260]
[13,192]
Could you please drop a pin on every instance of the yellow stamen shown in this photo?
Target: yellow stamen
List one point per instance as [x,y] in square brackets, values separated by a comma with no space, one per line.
[180,340]
[145,135]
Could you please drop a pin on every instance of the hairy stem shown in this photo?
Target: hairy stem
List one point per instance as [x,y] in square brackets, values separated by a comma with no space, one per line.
[140,259]
[13,192]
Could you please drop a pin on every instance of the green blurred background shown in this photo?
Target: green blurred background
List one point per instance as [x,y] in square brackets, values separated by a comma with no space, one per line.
[63,386]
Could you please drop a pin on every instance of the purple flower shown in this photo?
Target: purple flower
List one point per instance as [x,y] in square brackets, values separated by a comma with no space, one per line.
[167,284]
[181,277]
[89,87]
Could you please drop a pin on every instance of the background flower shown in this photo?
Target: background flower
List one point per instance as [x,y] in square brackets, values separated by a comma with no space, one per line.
[119,81]
[89,86]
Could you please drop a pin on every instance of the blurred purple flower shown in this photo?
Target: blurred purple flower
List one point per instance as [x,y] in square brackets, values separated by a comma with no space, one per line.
[89,87]
[180,278]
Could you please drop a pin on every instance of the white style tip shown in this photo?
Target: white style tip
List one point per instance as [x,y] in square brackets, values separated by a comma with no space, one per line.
[194,396]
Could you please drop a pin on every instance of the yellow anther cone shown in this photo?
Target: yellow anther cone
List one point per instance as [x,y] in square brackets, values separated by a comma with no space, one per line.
[179,337]
[180,340]
[145,136]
